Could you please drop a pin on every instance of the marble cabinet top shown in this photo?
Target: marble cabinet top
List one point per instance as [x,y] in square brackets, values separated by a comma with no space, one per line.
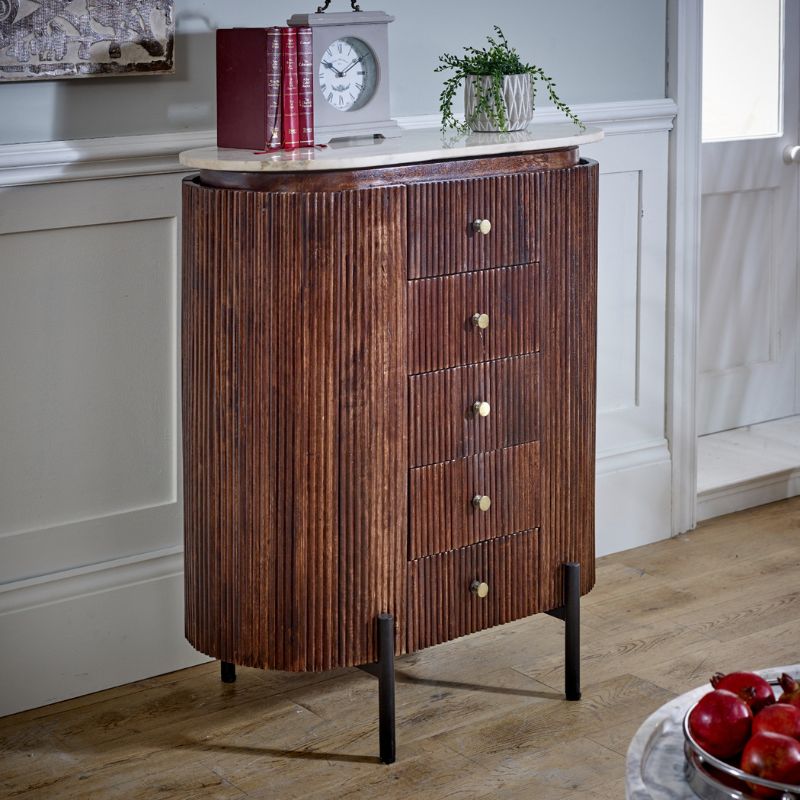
[413,146]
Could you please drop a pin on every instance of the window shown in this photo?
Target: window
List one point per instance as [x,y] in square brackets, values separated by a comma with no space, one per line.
[742,69]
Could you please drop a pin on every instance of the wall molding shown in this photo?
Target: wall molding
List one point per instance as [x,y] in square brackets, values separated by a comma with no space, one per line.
[632,457]
[684,75]
[634,116]
[57,587]
[92,159]
[153,154]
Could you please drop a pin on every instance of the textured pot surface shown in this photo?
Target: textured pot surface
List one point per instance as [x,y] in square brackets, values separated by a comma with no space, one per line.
[516,96]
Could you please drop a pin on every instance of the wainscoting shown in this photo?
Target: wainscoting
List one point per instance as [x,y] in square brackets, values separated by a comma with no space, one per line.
[90,482]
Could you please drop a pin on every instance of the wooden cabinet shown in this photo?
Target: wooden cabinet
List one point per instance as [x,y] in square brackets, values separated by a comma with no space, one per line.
[384,402]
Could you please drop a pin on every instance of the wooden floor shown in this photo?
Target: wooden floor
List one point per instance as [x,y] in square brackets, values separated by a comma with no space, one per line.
[479,717]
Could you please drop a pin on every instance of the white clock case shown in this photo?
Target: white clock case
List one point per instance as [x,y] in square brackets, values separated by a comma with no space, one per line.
[373,118]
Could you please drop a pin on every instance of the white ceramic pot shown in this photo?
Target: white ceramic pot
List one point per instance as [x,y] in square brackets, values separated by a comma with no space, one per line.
[517,98]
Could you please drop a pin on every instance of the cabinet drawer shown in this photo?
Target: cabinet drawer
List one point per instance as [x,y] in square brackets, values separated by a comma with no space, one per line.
[443,423]
[478,316]
[441,605]
[441,236]
[444,510]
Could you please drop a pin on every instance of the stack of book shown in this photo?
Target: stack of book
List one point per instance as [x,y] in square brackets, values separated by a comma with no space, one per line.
[265,94]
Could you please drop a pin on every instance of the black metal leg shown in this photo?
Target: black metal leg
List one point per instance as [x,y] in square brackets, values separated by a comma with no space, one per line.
[386,687]
[227,671]
[572,632]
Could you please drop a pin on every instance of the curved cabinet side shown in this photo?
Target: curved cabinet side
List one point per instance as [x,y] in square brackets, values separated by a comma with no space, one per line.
[295,536]
[567,201]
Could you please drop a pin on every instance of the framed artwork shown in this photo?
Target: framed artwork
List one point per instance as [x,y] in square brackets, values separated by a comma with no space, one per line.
[45,39]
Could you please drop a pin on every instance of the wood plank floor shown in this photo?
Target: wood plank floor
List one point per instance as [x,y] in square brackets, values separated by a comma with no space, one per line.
[479,717]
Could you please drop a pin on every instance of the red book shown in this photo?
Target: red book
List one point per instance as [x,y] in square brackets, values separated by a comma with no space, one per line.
[245,117]
[274,101]
[291,107]
[305,78]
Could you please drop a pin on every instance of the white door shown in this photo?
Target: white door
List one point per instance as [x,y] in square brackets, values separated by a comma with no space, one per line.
[748,340]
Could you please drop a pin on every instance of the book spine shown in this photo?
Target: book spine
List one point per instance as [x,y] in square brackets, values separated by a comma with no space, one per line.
[291,110]
[274,99]
[305,78]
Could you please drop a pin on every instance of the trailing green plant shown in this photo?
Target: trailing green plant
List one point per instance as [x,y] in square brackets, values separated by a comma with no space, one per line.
[495,61]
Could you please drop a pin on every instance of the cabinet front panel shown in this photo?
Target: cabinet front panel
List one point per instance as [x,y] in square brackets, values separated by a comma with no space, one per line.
[445,422]
[478,316]
[441,603]
[443,237]
[446,510]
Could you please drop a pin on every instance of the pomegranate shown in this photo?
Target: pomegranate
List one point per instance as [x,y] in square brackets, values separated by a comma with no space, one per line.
[720,723]
[752,688]
[791,690]
[778,718]
[772,756]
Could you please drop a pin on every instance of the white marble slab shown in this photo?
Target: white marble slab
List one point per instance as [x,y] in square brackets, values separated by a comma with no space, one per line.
[414,146]
[656,765]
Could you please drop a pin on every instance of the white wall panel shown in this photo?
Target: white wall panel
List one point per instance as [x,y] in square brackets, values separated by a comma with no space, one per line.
[87,372]
[618,291]
[631,359]
[633,461]
[90,495]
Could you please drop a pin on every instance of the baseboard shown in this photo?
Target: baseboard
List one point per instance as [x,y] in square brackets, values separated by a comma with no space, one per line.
[153,154]
[747,494]
[88,629]
[97,638]
[633,499]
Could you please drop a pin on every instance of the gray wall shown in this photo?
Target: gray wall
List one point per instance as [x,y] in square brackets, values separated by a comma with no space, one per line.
[595,51]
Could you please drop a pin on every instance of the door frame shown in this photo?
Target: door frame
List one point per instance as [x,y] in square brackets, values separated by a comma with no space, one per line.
[684,85]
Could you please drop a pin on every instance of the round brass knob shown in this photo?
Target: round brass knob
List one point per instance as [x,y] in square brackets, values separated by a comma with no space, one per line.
[481,408]
[482,502]
[480,321]
[482,226]
[479,588]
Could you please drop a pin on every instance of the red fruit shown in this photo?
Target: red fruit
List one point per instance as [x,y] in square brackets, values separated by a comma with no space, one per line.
[772,756]
[720,723]
[778,718]
[791,690]
[752,688]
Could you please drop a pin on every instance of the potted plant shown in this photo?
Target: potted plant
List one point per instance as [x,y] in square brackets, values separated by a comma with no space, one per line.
[499,88]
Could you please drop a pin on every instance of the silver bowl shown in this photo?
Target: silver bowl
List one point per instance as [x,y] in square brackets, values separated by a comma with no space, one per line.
[731,782]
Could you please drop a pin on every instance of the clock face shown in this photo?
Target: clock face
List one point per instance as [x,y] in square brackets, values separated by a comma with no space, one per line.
[348,74]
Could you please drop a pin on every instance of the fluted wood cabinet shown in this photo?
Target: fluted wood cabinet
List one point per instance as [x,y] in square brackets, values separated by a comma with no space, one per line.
[385,403]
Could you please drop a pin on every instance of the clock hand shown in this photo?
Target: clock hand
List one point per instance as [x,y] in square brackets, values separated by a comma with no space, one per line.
[329,65]
[361,58]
